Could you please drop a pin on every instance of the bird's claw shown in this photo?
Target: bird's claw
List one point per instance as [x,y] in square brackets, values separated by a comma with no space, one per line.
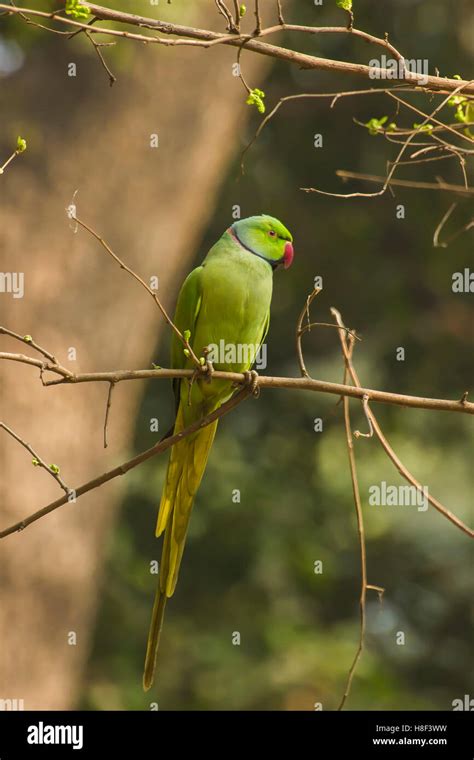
[209,370]
[207,367]
[251,379]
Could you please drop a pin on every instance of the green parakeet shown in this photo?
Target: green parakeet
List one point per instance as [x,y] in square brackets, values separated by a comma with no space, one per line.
[223,302]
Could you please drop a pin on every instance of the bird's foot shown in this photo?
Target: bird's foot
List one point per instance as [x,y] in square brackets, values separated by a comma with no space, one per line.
[207,367]
[251,380]
[209,370]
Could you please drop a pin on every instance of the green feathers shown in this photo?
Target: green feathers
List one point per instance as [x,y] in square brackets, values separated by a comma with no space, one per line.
[223,302]
[264,236]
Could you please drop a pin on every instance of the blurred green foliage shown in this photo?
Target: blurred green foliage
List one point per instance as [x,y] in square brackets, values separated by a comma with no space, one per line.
[249,566]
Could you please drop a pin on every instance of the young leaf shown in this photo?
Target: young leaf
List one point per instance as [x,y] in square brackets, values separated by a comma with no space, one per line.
[255,98]
[376,125]
[346,5]
[428,128]
[76,10]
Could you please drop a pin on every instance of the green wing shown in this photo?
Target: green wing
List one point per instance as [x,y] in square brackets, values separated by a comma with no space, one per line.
[187,310]
[265,330]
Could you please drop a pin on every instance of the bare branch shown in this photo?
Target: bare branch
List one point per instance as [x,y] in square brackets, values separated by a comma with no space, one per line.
[51,469]
[28,340]
[281,20]
[203,37]
[142,282]
[439,228]
[107,411]
[264,381]
[224,11]
[236,15]
[258,27]
[300,330]
[431,118]
[365,406]
[97,46]
[444,186]
[10,159]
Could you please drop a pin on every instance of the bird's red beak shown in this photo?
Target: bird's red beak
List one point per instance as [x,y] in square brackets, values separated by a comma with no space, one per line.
[288,256]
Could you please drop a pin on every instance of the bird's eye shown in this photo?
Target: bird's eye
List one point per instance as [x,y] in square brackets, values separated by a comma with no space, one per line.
[272,233]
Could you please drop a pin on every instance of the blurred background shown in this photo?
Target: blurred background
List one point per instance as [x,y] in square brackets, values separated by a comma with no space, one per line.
[249,567]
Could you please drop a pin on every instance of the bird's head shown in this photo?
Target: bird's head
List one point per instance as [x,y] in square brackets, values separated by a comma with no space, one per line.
[265,237]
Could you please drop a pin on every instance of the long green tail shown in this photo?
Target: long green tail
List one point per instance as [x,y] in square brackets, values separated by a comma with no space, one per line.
[185,470]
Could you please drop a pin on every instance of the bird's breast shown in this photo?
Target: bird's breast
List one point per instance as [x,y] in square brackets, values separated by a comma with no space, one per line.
[234,308]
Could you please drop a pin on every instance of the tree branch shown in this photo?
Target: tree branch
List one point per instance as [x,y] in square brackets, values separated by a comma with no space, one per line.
[51,469]
[460,189]
[205,38]
[263,381]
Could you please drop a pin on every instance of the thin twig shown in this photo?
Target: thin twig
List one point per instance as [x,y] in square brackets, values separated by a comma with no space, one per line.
[10,159]
[97,46]
[440,226]
[28,340]
[299,330]
[310,325]
[431,118]
[258,27]
[137,277]
[237,15]
[444,186]
[107,411]
[281,20]
[454,235]
[224,11]
[52,470]
[365,406]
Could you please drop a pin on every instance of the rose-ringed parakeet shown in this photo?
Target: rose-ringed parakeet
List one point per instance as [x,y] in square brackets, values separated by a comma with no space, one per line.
[226,301]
